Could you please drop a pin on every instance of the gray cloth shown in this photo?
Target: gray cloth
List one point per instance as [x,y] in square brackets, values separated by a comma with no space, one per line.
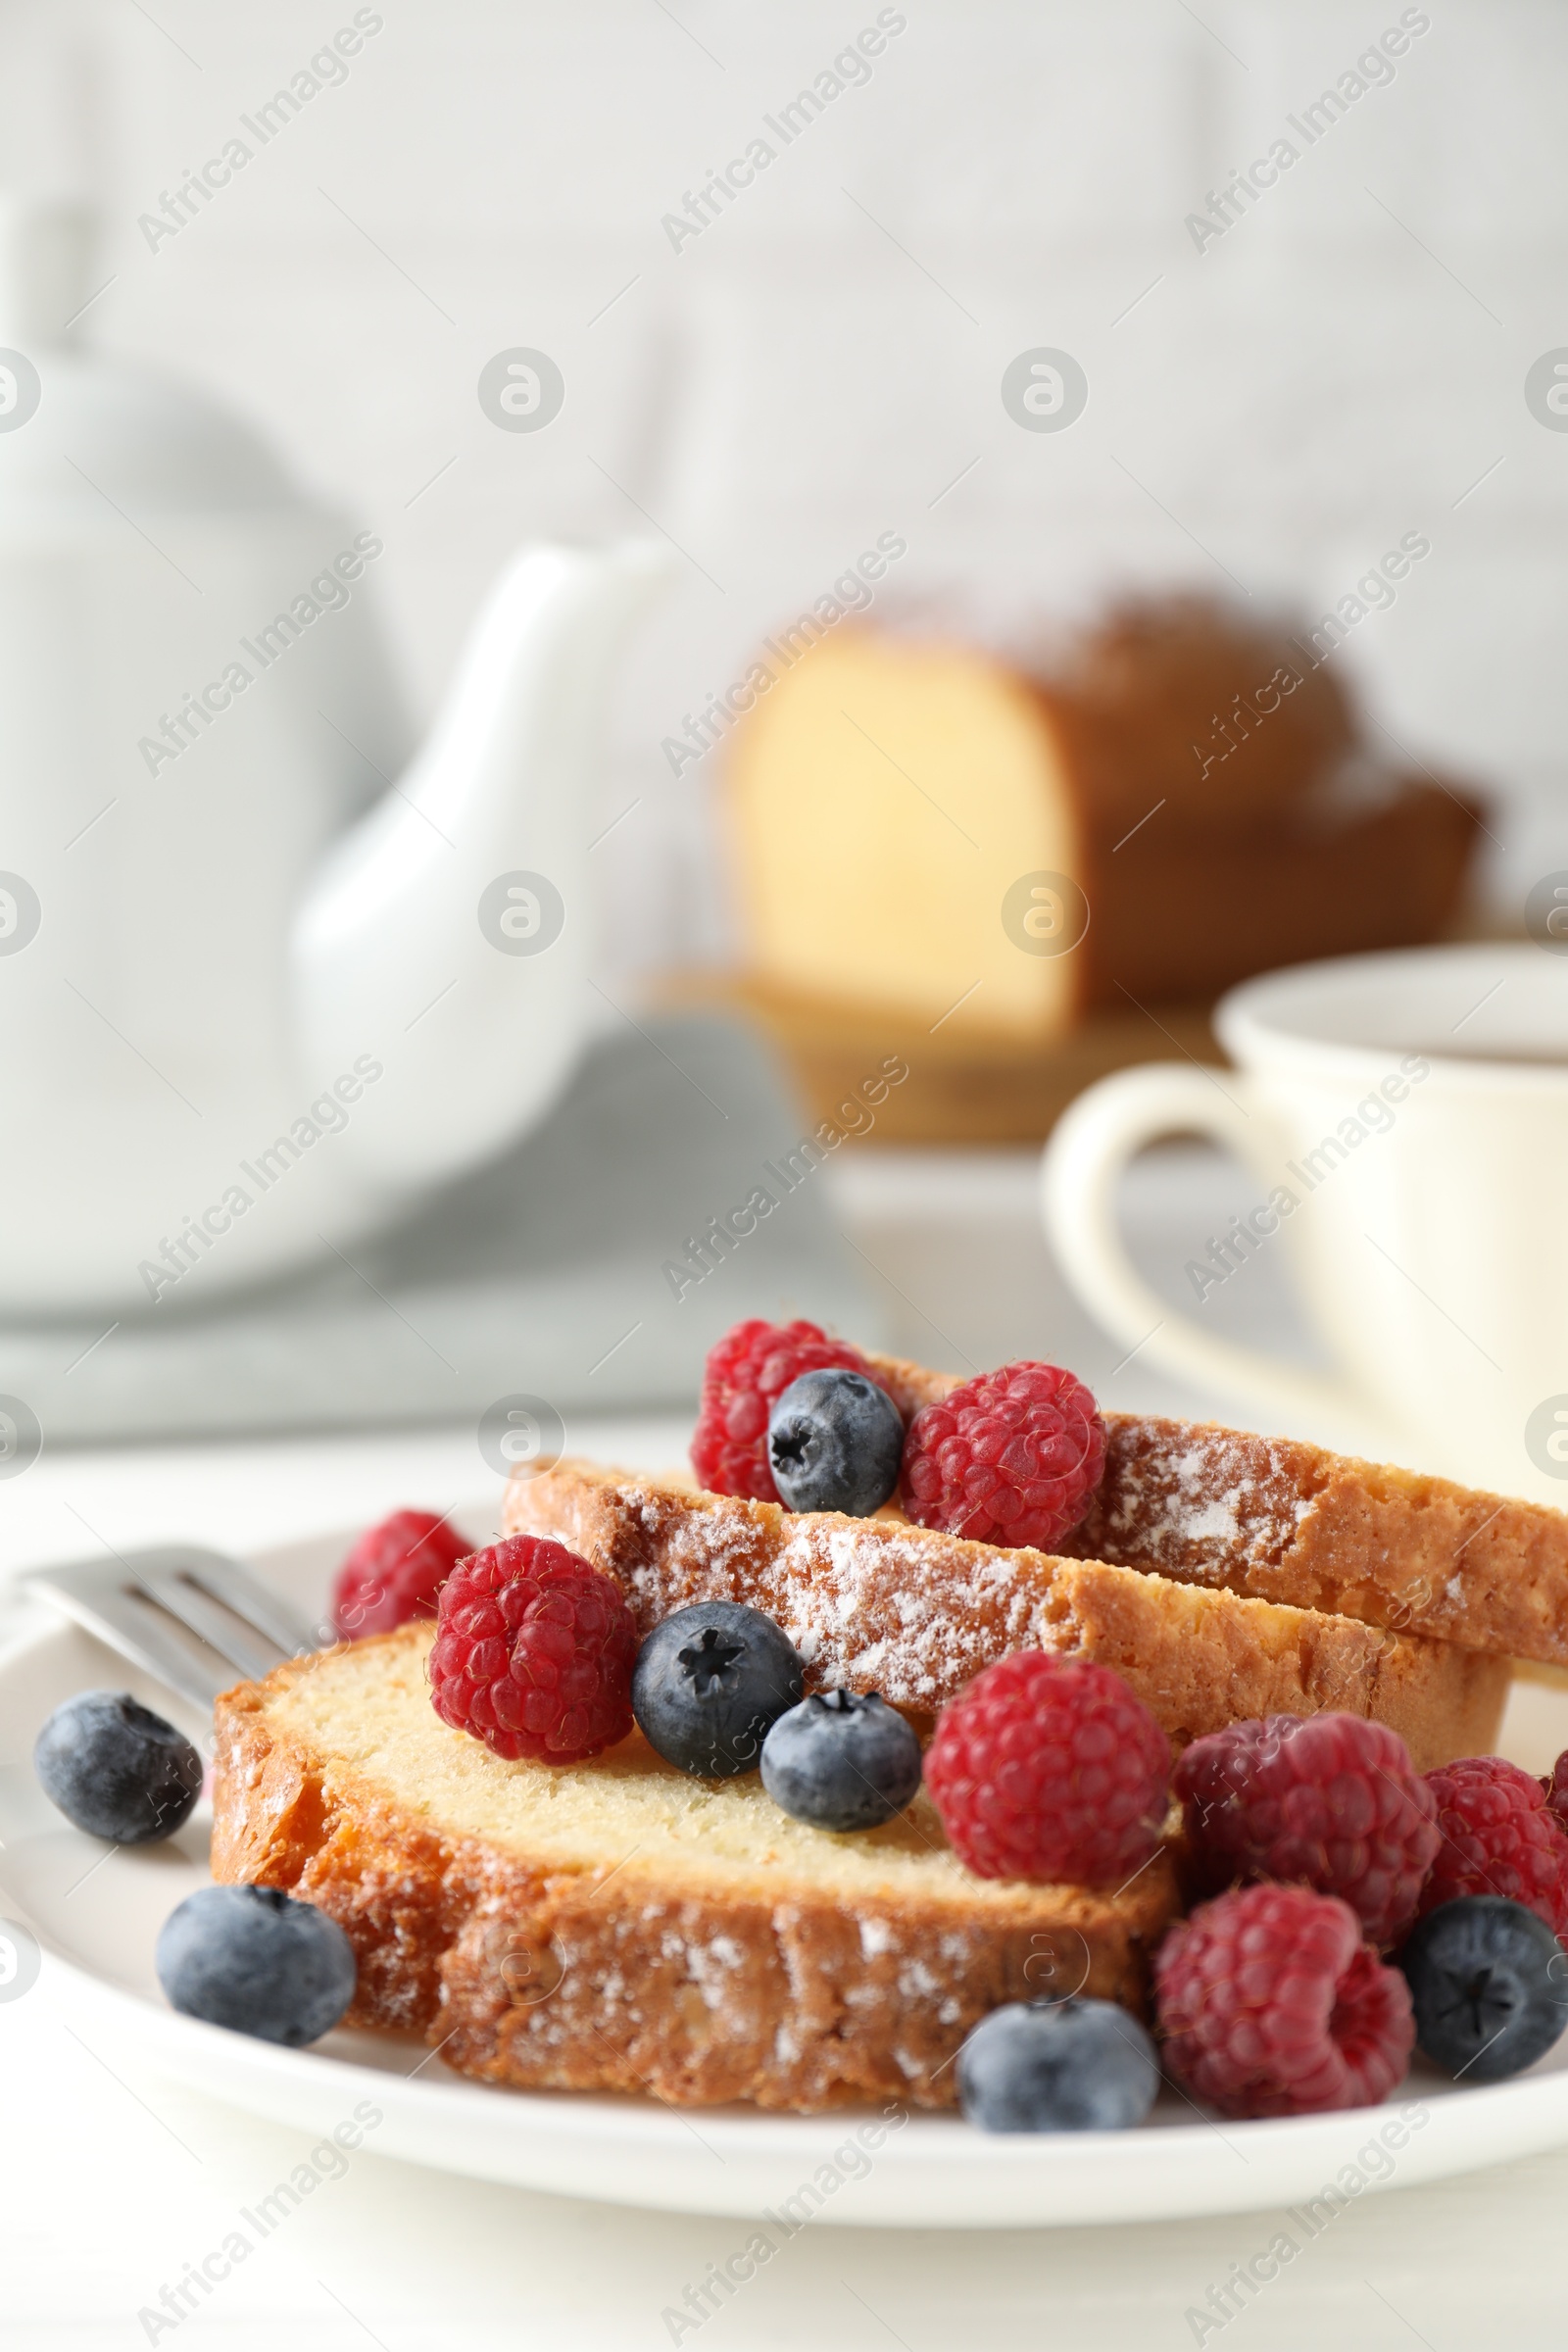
[540,1278]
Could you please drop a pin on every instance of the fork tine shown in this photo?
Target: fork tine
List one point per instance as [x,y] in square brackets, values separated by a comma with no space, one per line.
[127,1602]
[248,1652]
[103,1605]
[242,1593]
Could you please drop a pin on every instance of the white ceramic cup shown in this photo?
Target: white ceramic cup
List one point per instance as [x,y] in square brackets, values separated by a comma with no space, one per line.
[1417,1179]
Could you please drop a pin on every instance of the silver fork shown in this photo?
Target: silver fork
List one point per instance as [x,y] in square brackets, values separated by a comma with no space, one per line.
[195,1620]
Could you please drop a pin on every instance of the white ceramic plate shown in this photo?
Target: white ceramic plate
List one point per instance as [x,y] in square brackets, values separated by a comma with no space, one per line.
[96,1912]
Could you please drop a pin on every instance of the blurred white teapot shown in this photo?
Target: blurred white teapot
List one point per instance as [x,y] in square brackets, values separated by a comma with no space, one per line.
[255,997]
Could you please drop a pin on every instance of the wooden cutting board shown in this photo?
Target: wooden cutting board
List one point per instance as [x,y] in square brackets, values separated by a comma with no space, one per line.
[960,1088]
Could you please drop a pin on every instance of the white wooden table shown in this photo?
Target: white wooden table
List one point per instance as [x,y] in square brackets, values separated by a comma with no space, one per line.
[111,2182]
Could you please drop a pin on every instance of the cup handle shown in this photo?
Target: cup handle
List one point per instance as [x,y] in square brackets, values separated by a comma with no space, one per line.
[1093,1142]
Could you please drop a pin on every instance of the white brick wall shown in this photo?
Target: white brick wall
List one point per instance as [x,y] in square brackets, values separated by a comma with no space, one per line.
[791,383]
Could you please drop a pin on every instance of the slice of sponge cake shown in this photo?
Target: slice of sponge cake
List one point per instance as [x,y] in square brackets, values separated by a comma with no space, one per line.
[615,1926]
[878,1604]
[1289,1522]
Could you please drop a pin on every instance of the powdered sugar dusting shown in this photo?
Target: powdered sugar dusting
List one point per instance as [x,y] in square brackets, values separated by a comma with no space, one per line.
[874,1607]
[1215,1522]
[1194,1501]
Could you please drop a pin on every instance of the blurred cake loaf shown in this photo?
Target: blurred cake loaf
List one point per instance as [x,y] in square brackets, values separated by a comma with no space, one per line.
[906,814]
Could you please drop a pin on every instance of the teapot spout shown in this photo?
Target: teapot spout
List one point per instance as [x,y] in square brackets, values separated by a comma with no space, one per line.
[447,935]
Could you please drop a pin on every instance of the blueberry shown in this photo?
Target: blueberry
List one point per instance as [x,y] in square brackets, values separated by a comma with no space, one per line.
[1057,2066]
[116,1768]
[841,1762]
[709,1684]
[834,1444]
[255,1959]
[1489,1984]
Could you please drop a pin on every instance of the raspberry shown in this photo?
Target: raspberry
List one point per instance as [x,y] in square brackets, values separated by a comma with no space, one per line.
[1499,1837]
[1050,1768]
[748,1368]
[1327,1801]
[394,1572]
[533,1652]
[1555,1784]
[1013,1457]
[1271,2004]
